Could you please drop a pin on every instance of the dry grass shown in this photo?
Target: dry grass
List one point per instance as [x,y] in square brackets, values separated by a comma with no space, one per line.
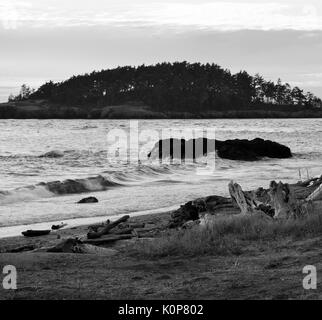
[229,235]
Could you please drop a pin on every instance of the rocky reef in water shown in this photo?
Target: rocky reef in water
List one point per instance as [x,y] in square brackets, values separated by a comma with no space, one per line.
[244,150]
[70,186]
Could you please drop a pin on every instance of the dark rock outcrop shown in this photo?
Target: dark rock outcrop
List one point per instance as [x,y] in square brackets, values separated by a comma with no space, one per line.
[52,154]
[88,200]
[251,150]
[182,149]
[245,150]
[70,186]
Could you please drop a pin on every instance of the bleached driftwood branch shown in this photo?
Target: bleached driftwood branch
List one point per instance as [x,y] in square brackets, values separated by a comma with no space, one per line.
[316,194]
[245,201]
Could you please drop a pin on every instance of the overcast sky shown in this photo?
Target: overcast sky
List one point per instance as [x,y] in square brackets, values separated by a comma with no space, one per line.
[44,40]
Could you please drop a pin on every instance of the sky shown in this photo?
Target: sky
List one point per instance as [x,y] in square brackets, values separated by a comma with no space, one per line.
[43,40]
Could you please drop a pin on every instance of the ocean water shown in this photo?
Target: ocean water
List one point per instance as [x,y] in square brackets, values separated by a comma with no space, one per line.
[36,153]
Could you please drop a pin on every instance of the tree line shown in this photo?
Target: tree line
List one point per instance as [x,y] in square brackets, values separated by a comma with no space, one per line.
[179,86]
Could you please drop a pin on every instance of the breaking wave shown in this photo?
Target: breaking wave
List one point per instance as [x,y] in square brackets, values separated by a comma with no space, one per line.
[52,154]
[56,188]
[110,179]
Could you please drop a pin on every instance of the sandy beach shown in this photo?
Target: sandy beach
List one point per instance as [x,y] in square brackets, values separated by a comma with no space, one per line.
[269,268]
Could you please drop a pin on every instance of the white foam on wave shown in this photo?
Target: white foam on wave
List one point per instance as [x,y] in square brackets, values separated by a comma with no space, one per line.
[56,188]
[24,194]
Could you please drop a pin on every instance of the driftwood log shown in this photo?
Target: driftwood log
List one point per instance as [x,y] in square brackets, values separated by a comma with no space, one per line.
[65,246]
[136,225]
[72,245]
[22,249]
[106,229]
[58,226]
[95,227]
[108,239]
[122,231]
[36,233]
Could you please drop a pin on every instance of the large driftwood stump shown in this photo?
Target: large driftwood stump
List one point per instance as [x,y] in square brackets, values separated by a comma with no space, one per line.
[283,200]
[245,201]
[185,213]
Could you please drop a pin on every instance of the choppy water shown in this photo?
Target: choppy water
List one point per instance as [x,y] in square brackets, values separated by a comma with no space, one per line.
[80,152]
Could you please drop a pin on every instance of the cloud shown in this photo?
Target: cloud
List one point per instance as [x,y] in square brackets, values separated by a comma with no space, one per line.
[11,13]
[313,80]
[214,15]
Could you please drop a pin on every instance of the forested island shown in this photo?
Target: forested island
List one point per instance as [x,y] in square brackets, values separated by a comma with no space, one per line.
[165,90]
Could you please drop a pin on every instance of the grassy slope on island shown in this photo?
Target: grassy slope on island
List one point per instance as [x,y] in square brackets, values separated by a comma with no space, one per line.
[43,109]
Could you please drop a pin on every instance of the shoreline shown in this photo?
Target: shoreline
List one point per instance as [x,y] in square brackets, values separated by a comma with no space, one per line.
[43,109]
[79,231]
[15,231]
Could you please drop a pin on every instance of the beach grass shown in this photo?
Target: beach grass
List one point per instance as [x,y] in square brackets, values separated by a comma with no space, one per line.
[230,235]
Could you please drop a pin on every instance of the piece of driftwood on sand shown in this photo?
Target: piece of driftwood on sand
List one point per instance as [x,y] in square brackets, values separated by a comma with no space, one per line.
[22,249]
[122,231]
[58,226]
[107,228]
[108,239]
[72,245]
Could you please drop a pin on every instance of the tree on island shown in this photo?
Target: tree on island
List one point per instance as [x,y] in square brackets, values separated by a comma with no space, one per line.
[179,87]
[24,94]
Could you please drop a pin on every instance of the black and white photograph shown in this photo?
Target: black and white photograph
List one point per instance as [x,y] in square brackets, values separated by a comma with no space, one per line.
[160,150]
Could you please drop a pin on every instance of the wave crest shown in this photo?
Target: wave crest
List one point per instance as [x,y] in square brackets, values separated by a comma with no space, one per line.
[55,188]
[71,186]
[52,154]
